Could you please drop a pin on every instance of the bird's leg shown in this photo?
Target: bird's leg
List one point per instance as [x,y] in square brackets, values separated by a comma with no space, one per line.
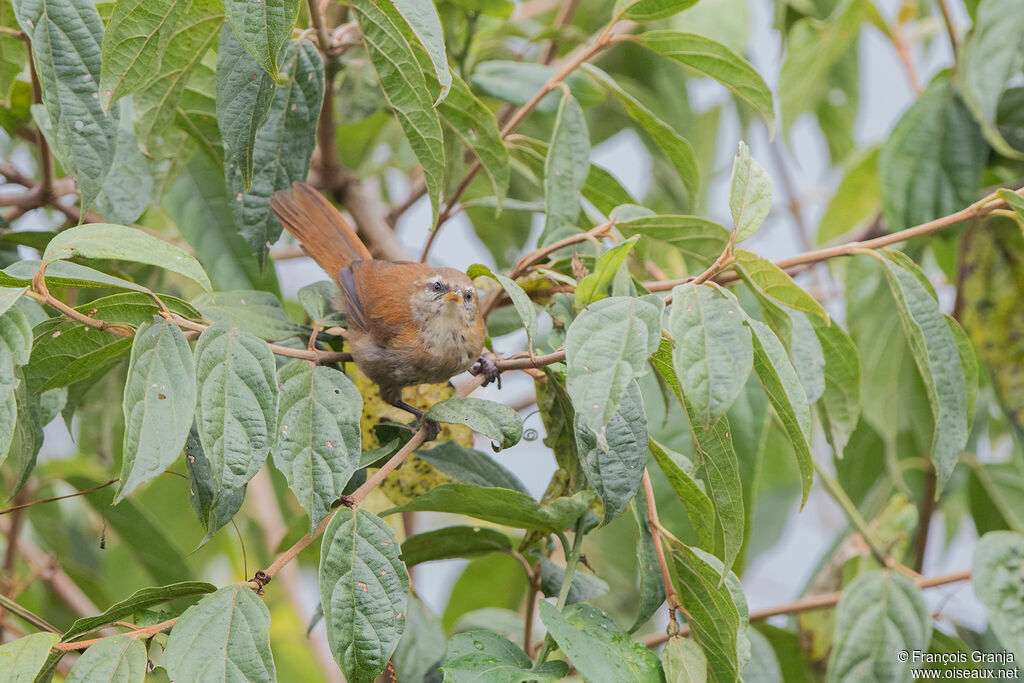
[433,428]
[489,369]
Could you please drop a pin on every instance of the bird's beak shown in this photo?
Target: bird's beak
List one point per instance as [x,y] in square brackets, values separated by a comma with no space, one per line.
[452,297]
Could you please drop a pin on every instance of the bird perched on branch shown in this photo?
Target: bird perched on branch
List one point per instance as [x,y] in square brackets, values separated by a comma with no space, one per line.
[408,323]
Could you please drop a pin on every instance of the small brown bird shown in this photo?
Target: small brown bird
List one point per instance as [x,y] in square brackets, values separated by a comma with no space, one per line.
[408,323]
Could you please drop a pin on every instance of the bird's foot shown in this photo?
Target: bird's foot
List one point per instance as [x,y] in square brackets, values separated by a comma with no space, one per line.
[431,427]
[489,369]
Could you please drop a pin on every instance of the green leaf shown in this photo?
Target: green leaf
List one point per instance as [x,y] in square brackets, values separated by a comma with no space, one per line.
[196,112]
[9,296]
[776,284]
[717,611]
[857,199]
[12,55]
[813,48]
[607,347]
[840,404]
[938,359]
[453,541]
[212,509]
[713,354]
[64,274]
[520,299]
[136,602]
[262,28]
[782,386]
[225,636]
[363,590]
[421,15]
[133,45]
[483,655]
[501,506]
[406,90]
[716,457]
[236,411]
[694,236]
[969,362]
[714,60]
[496,421]
[594,286]
[155,105]
[684,661]
[990,57]
[82,135]
[65,351]
[107,241]
[699,508]
[674,146]
[417,653]
[649,10]
[652,583]
[283,146]
[128,185]
[470,466]
[159,400]
[259,313]
[932,163]
[15,347]
[319,441]
[879,614]
[21,659]
[614,459]
[750,194]
[120,659]
[1013,201]
[199,206]
[565,170]
[998,563]
[245,92]
[597,647]
[475,124]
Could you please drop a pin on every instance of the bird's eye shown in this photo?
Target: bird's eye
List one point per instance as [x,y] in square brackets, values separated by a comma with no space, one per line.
[437,287]
[469,296]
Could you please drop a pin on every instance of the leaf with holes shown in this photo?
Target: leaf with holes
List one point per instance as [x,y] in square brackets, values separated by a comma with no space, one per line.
[225,636]
[880,614]
[363,591]
[318,441]
[108,241]
[159,401]
[607,347]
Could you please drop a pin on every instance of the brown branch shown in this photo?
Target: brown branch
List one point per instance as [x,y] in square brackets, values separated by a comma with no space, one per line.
[924,523]
[145,632]
[605,38]
[815,602]
[671,596]
[22,506]
[976,210]
[565,14]
[947,18]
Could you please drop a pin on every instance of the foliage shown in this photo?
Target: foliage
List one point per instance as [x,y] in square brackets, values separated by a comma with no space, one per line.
[693,393]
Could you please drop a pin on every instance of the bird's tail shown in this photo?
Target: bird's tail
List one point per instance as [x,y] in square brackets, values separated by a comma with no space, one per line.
[319,227]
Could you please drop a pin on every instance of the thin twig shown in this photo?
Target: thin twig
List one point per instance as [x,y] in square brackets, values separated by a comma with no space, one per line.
[564,16]
[815,602]
[947,18]
[22,506]
[671,596]
[134,635]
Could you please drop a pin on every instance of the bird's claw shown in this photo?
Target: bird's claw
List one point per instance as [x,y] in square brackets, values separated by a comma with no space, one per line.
[431,427]
[489,369]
